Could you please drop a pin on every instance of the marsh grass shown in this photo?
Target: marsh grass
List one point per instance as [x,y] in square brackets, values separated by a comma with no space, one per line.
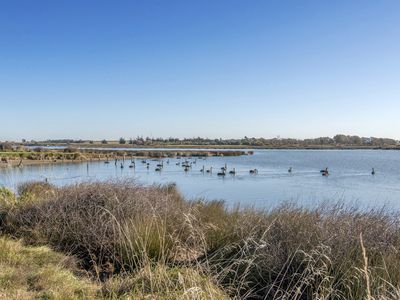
[139,240]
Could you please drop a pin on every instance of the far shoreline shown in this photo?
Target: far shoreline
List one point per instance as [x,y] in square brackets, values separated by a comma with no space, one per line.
[211,147]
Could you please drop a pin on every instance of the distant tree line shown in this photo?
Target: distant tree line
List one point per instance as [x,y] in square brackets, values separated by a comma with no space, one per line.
[338,140]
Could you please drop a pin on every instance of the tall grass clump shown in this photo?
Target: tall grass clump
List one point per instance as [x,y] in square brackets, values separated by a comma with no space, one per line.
[148,240]
[110,227]
[297,253]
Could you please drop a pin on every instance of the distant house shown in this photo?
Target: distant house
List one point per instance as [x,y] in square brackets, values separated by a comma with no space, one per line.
[367,140]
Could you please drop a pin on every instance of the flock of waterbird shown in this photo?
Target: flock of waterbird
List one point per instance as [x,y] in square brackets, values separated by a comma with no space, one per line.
[188,163]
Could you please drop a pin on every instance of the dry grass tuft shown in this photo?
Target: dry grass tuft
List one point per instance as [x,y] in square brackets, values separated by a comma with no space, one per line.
[162,282]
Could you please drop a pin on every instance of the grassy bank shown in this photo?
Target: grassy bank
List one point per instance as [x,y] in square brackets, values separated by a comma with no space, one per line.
[21,157]
[134,241]
[39,273]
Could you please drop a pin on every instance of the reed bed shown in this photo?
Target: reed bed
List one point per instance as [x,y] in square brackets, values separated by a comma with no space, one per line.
[139,241]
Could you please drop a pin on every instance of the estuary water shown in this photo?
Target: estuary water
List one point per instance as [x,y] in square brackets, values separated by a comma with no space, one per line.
[350,179]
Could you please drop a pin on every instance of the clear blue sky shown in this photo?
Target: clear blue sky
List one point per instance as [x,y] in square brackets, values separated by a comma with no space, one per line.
[105,69]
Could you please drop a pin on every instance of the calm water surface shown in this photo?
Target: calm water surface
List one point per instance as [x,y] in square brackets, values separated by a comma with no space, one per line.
[350,176]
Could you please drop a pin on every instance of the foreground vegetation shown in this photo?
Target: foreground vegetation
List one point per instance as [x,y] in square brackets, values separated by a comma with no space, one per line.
[123,240]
